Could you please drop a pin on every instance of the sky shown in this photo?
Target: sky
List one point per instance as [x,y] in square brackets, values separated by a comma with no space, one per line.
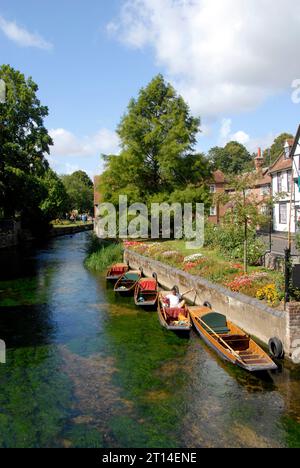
[236,63]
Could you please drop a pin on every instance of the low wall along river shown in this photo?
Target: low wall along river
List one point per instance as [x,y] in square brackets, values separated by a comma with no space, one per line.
[250,314]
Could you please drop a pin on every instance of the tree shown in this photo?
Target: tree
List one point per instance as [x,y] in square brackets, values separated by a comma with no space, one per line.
[55,203]
[234,158]
[80,191]
[246,209]
[273,153]
[158,136]
[23,141]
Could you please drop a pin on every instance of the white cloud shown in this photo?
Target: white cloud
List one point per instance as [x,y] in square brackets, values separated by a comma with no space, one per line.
[252,143]
[21,36]
[222,55]
[226,135]
[68,144]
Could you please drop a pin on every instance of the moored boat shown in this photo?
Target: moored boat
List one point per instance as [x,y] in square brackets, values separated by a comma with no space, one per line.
[146,292]
[127,282]
[116,271]
[173,319]
[229,341]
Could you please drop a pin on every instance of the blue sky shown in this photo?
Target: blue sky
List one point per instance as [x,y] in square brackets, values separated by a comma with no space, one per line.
[90,57]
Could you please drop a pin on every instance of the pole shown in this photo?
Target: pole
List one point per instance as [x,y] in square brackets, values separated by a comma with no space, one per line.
[287,275]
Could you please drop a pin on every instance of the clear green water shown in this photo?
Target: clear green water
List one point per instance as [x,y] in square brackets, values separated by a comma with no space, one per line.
[87,369]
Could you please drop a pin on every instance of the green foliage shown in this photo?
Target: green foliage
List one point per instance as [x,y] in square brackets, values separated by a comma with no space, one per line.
[229,240]
[23,140]
[56,203]
[234,158]
[27,186]
[80,191]
[102,254]
[277,148]
[158,136]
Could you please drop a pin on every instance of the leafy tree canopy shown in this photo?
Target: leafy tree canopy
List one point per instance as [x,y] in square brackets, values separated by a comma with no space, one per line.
[157,136]
[80,191]
[273,153]
[234,158]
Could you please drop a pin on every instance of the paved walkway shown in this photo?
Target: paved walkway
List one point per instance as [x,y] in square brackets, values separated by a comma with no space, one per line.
[279,243]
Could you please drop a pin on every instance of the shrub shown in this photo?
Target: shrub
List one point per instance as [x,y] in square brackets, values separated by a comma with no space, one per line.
[102,254]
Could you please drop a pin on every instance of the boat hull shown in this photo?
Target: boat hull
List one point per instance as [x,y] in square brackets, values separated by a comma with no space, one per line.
[177,329]
[260,361]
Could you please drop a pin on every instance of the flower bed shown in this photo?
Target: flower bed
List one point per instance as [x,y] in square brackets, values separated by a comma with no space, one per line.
[259,283]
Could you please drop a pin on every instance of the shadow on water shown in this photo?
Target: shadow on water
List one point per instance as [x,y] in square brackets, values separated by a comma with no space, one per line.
[86,368]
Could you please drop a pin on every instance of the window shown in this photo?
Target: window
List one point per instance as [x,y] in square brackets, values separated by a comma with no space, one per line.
[265,190]
[280,182]
[282,213]
[212,189]
[213,211]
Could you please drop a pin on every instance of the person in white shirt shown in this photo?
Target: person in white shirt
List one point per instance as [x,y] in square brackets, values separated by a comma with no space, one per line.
[175,300]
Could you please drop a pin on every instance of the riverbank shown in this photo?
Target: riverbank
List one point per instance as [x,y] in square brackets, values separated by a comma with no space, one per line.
[62,230]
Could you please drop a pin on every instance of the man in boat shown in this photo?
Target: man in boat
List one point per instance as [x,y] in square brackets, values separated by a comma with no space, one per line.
[175,300]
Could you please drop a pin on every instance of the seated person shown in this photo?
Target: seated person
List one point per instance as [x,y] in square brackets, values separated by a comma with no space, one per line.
[175,300]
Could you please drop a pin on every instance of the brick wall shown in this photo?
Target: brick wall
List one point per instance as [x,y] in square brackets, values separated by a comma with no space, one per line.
[293,326]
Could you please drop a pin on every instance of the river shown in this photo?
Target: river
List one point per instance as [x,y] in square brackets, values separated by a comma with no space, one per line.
[85,368]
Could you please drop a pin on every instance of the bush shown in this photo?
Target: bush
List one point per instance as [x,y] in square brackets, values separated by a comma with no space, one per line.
[229,239]
[102,254]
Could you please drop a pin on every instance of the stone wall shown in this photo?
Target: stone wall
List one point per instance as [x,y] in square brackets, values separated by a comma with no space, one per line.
[10,231]
[251,315]
[70,230]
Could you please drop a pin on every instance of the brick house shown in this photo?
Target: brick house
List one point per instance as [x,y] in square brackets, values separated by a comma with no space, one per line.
[217,185]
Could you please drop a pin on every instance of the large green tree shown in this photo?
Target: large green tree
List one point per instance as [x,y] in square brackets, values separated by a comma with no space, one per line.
[273,153]
[234,158]
[24,140]
[158,136]
[80,191]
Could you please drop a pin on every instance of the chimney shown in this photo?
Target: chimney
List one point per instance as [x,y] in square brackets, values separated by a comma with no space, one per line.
[259,160]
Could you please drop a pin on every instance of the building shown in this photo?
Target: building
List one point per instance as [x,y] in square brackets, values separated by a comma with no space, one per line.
[217,185]
[281,170]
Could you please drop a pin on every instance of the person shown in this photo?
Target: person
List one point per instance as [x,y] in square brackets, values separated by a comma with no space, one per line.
[175,300]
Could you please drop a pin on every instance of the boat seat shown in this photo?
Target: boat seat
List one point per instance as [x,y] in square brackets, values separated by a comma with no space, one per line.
[238,342]
[131,277]
[217,322]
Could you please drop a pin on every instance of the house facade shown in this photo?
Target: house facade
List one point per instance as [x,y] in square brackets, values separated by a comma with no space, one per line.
[217,185]
[285,173]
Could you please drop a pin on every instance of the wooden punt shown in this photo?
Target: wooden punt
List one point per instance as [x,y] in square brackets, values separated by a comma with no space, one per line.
[146,292]
[127,283]
[116,271]
[229,341]
[169,317]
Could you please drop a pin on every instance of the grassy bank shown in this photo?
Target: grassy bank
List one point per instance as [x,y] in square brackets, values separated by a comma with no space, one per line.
[101,254]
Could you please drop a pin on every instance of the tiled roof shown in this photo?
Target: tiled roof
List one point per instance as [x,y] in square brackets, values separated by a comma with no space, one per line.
[282,164]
